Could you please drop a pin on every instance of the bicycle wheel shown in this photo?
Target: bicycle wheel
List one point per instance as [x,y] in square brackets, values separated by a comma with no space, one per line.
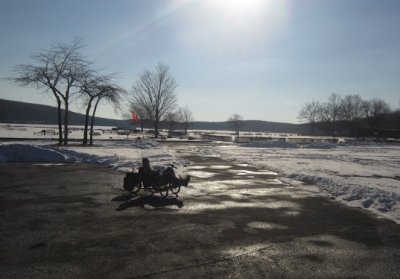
[174,189]
[163,190]
[137,187]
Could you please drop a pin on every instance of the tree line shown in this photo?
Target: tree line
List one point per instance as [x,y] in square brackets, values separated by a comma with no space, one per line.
[350,115]
[65,74]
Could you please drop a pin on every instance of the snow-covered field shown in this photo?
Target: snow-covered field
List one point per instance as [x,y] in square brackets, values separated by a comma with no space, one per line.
[365,176]
[43,131]
[120,155]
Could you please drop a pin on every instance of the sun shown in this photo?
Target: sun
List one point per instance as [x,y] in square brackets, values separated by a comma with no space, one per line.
[236,8]
[233,27]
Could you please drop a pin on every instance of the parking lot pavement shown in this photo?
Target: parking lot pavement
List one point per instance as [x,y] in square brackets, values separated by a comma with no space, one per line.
[74,221]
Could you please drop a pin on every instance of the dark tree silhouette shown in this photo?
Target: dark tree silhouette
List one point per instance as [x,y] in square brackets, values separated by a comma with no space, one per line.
[311,113]
[376,112]
[57,70]
[236,123]
[95,87]
[154,92]
[140,111]
[186,117]
[351,115]
[351,111]
[330,113]
[110,93]
[172,118]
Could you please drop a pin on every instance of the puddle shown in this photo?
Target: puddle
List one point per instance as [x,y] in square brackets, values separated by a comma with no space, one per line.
[201,174]
[265,226]
[247,176]
[210,155]
[195,167]
[220,167]
[247,172]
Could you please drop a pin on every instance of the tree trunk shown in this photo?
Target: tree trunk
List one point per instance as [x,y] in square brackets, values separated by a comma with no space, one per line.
[92,121]
[66,120]
[156,122]
[171,127]
[334,129]
[312,124]
[59,119]
[156,129]
[85,130]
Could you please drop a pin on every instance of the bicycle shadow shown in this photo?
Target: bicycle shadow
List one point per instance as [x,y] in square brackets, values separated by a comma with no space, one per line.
[154,201]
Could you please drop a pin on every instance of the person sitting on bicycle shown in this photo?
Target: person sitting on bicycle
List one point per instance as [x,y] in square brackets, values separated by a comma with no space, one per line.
[151,176]
[147,173]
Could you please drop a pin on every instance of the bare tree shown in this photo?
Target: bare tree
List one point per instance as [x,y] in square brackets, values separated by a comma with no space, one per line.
[351,110]
[57,70]
[311,113]
[396,120]
[236,122]
[376,112]
[186,117]
[110,93]
[154,91]
[355,115]
[140,111]
[172,118]
[94,87]
[330,112]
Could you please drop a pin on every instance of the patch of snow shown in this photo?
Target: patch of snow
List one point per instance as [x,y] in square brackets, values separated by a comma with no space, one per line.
[247,172]
[220,167]
[119,155]
[201,174]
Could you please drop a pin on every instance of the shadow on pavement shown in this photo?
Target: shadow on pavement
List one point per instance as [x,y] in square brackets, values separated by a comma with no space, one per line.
[156,202]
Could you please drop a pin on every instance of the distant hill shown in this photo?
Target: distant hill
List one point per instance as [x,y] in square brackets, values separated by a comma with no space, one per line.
[27,113]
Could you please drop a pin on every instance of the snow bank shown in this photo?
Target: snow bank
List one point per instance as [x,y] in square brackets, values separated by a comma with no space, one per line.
[119,155]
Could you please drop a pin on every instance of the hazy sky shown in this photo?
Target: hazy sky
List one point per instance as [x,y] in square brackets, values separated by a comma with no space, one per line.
[260,58]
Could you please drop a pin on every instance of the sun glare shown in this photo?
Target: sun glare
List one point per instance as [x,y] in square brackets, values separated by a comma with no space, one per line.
[239,7]
[244,10]
[233,27]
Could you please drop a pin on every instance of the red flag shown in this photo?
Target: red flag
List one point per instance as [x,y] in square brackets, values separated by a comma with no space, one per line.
[135,117]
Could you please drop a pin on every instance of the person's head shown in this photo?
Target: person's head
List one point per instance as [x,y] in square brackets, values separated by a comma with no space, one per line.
[146,163]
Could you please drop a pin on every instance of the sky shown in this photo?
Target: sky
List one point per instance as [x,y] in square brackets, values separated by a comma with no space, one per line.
[262,59]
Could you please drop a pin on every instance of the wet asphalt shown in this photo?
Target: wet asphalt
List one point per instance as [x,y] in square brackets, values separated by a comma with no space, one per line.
[232,221]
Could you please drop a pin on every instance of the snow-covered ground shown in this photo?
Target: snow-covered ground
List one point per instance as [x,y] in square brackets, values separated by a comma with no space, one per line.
[43,131]
[366,176]
[122,155]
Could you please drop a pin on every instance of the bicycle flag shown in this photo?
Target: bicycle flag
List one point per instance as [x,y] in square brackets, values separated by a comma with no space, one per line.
[135,117]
